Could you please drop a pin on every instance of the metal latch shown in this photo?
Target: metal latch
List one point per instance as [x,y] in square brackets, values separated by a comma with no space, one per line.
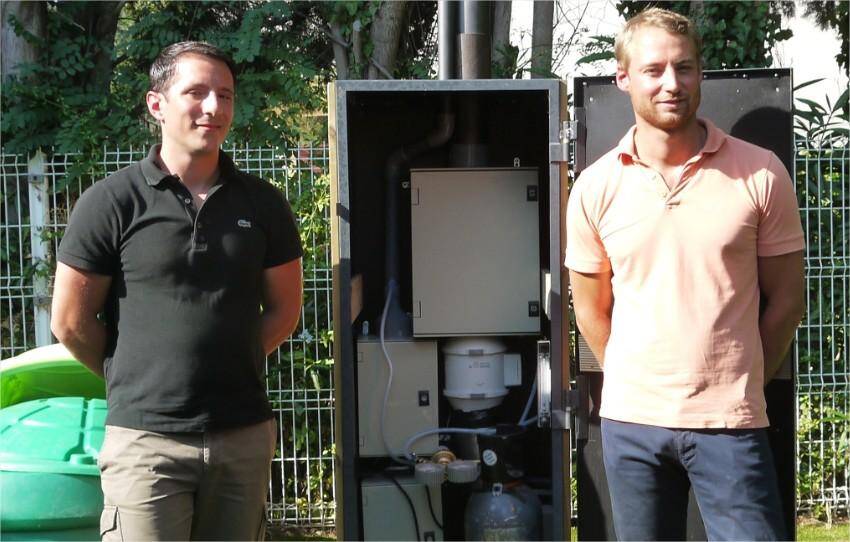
[544,382]
[569,130]
[572,416]
[560,151]
[563,418]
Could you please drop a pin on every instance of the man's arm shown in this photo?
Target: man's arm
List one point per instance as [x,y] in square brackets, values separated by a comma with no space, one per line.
[282,292]
[78,296]
[593,300]
[781,282]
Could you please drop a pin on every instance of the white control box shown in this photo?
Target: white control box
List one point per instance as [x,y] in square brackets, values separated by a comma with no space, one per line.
[476,252]
[413,402]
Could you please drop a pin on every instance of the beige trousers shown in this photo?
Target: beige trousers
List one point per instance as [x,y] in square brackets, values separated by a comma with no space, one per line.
[186,486]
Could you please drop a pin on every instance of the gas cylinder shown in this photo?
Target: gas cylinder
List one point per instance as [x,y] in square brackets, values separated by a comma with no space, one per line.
[503,512]
[502,507]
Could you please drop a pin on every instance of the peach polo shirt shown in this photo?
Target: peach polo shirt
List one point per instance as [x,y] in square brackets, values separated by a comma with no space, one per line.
[684,349]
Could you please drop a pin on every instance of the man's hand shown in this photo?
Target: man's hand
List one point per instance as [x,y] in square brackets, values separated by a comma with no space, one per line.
[78,297]
[781,281]
[282,292]
[593,300]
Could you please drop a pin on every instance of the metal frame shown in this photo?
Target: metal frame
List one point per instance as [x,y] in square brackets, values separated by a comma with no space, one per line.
[348,520]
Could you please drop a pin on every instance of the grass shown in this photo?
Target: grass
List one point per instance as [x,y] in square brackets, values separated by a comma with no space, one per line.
[808,530]
[815,531]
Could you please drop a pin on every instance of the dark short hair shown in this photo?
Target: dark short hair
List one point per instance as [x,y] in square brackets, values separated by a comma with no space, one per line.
[163,68]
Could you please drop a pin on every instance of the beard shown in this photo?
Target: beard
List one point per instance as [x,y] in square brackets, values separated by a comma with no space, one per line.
[669,119]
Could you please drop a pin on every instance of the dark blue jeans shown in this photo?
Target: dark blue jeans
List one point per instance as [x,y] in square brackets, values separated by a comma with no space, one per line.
[650,470]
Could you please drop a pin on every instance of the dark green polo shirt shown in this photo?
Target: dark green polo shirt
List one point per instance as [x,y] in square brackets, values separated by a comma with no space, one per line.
[184,308]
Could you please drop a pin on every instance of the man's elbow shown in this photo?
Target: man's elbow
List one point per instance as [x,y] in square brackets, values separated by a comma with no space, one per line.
[584,322]
[61,327]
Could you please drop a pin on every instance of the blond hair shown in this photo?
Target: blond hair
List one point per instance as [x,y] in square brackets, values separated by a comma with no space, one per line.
[670,21]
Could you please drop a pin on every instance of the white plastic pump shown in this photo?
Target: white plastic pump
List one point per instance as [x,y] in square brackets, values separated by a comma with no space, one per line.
[478,371]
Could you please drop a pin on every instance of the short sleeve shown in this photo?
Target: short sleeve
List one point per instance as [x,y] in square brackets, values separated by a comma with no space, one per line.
[585,251]
[780,230]
[283,244]
[92,239]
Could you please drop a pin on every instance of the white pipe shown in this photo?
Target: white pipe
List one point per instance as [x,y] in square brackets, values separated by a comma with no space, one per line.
[528,421]
[389,380]
[528,403]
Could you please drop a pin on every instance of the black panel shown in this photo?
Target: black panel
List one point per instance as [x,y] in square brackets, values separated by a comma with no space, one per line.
[754,105]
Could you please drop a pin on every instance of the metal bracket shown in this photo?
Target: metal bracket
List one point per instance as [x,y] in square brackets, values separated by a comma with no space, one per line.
[560,151]
[573,414]
[569,130]
[563,418]
[544,378]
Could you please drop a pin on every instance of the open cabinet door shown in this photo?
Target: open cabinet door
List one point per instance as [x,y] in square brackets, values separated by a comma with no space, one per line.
[753,105]
[513,133]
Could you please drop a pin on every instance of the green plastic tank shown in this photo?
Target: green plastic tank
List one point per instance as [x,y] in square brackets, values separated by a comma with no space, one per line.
[48,468]
[48,371]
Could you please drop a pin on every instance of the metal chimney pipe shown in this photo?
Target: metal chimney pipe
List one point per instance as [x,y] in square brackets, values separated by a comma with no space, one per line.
[475,40]
[447,12]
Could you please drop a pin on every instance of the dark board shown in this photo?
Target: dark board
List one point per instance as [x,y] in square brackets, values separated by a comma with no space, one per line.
[754,105]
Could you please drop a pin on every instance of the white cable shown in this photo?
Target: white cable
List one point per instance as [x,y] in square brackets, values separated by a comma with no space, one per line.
[528,421]
[463,430]
[528,403]
[389,379]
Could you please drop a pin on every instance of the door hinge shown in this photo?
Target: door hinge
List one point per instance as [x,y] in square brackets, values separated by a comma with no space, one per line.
[572,416]
[560,151]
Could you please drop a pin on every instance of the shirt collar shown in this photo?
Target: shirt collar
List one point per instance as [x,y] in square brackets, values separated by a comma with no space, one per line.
[154,175]
[715,137]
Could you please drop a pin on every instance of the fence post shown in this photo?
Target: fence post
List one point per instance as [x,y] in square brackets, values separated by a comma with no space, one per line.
[39,246]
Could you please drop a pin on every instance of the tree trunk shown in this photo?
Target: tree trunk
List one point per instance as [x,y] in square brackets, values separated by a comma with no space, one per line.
[503,54]
[357,50]
[100,21]
[340,51]
[541,40]
[32,16]
[386,31]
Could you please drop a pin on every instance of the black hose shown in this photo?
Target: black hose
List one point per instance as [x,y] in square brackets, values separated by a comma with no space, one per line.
[431,507]
[392,479]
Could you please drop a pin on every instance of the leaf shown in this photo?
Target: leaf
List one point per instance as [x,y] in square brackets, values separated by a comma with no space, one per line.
[594,57]
[808,83]
[814,106]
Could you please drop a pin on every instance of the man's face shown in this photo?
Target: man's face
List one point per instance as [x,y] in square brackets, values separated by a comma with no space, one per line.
[196,110]
[662,78]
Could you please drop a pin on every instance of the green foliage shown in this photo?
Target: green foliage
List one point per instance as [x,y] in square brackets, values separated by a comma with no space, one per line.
[824,454]
[824,126]
[823,428]
[597,49]
[282,65]
[734,34]
[57,86]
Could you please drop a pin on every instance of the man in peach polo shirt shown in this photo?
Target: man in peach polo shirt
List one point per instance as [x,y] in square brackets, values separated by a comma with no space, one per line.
[673,238]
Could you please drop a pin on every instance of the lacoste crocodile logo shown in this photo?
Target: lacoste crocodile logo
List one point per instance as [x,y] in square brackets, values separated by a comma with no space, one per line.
[242,223]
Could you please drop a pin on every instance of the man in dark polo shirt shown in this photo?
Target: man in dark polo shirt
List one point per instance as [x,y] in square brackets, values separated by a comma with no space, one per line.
[195,267]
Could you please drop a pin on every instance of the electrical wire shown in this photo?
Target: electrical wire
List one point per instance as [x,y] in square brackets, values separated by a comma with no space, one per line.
[409,501]
[431,507]
[390,452]
[528,403]
[528,421]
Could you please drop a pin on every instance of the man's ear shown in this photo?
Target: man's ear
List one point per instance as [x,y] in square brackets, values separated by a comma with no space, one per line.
[622,78]
[154,101]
